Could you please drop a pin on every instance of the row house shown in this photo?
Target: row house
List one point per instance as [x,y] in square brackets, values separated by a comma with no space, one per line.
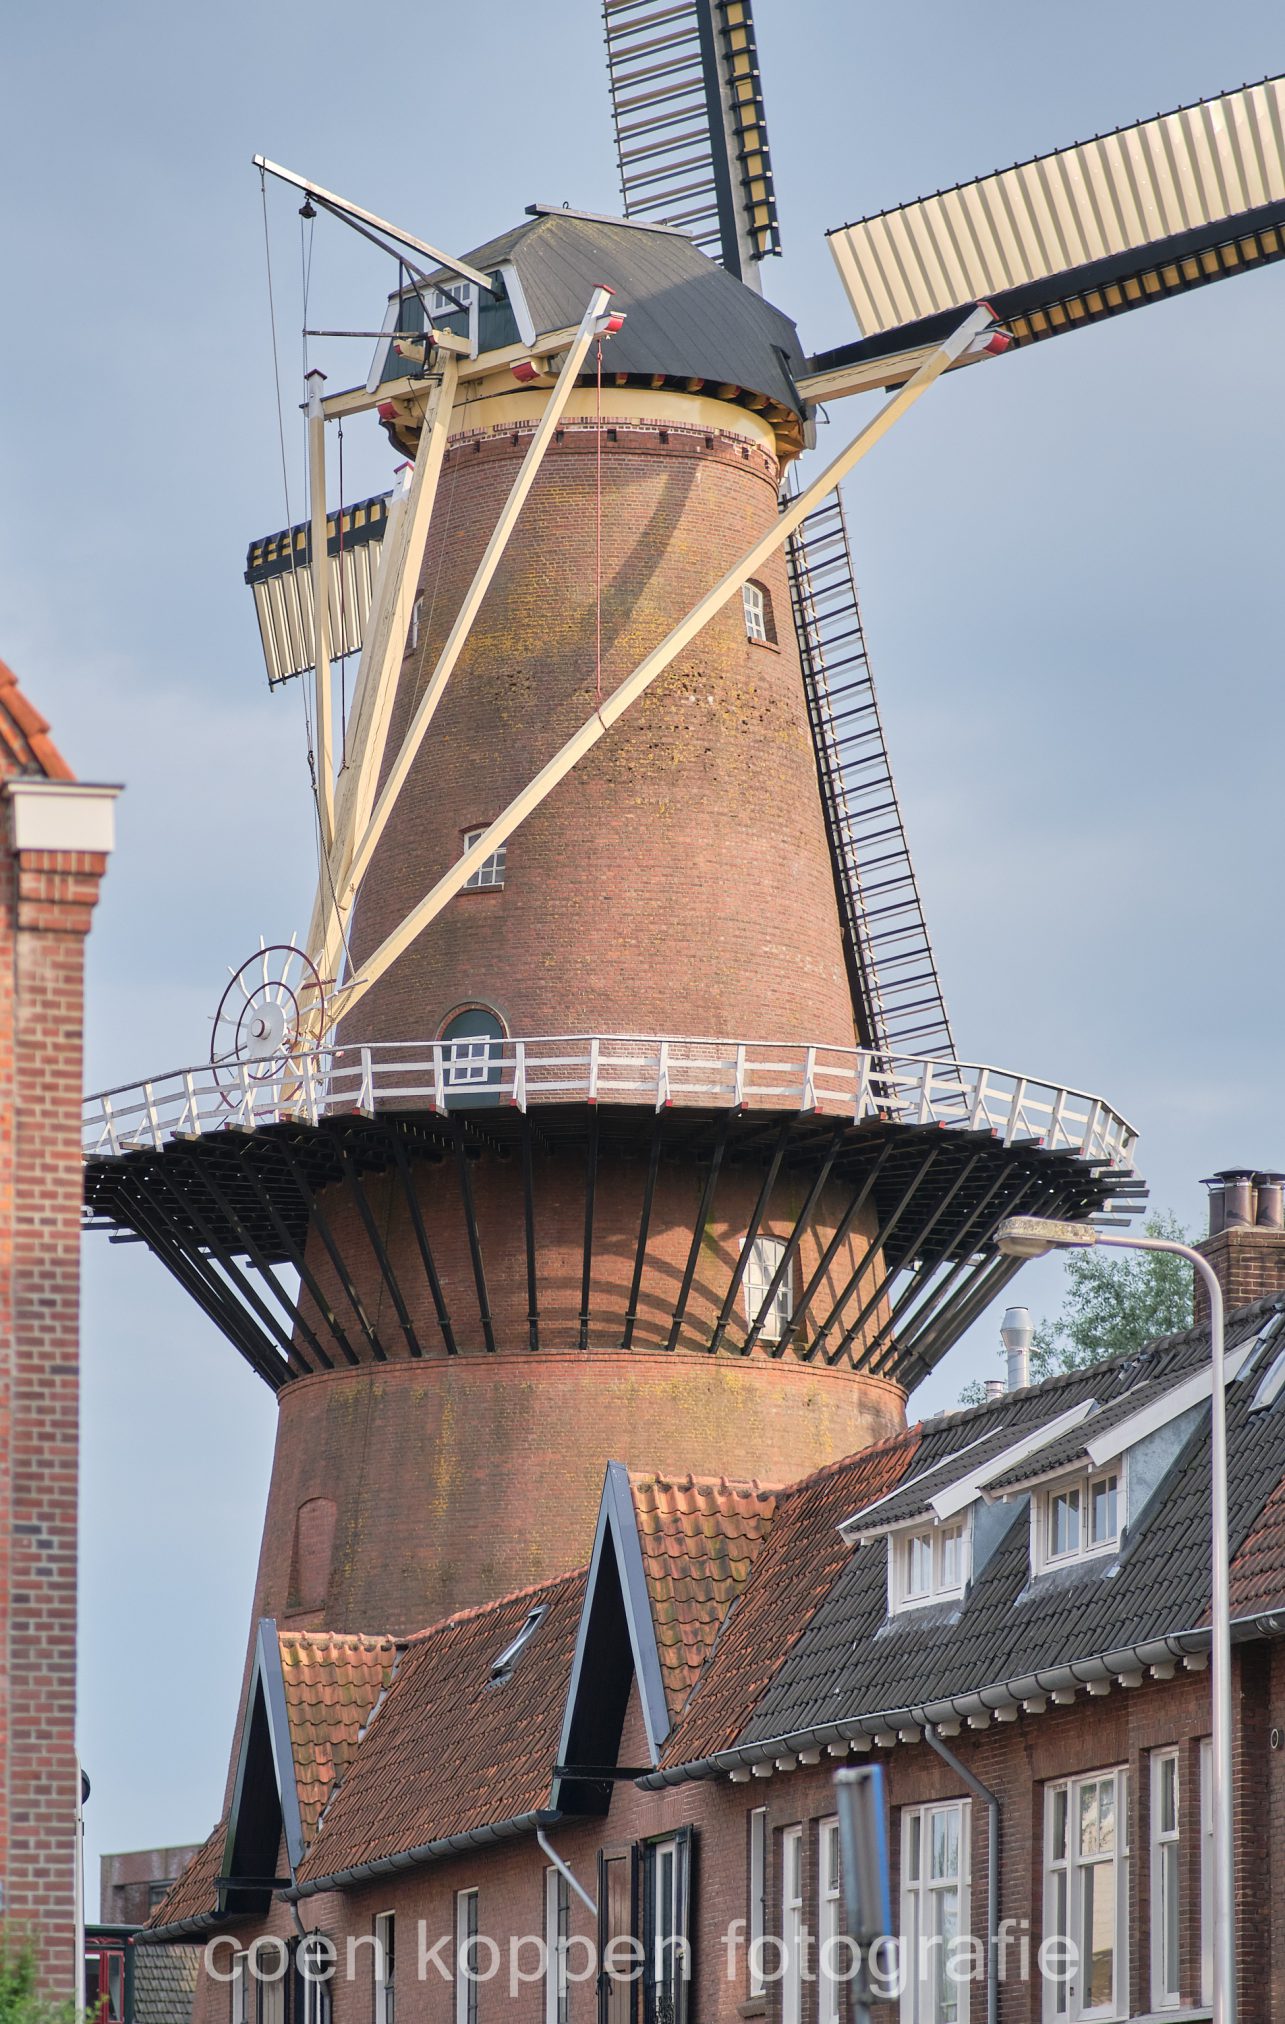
[610,1800]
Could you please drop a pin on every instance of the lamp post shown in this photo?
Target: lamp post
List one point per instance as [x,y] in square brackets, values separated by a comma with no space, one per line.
[1032,1237]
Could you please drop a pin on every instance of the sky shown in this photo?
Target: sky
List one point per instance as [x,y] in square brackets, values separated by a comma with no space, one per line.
[1068,565]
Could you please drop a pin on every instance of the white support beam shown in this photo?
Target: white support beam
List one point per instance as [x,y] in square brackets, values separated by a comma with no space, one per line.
[399,772]
[321,610]
[344,209]
[373,968]
[395,587]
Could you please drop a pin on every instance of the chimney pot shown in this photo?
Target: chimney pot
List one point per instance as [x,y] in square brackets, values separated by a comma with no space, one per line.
[1238,1197]
[994,1388]
[1271,1201]
[1016,1333]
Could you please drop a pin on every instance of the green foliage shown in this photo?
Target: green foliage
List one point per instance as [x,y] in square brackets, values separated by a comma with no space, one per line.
[20,1999]
[1115,1302]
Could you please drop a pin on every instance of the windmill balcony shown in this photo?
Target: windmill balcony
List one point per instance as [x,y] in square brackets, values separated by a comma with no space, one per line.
[575,1193]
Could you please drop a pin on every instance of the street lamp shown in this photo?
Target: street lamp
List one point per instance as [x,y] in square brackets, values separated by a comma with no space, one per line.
[1032,1237]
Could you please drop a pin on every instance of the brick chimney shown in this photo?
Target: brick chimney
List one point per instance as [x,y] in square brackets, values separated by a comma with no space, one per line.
[1246,1240]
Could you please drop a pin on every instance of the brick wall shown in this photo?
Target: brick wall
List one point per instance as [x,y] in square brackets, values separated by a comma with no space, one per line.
[1249,1262]
[46,900]
[678,881]
[456,1480]
[1015,1760]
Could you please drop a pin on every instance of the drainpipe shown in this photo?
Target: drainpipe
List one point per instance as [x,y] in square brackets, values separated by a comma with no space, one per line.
[991,1804]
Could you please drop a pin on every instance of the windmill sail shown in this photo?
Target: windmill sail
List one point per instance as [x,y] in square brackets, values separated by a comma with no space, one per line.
[690,137]
[896,993]
[278,569]
[1070,238]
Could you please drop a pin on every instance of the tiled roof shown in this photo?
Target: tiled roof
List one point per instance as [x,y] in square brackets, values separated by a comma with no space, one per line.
[25,744]
[852,1661]
[453,1750]
[1258,1570]
[332,1685]
[699,1540]
[193,1894]
[165,1984]
[792,1574]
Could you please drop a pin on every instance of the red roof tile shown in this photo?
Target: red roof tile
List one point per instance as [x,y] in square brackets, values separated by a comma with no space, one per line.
[793,1573]
[193,1895]
[451,1749]
[333,1684]
[25,744]
[699,1540]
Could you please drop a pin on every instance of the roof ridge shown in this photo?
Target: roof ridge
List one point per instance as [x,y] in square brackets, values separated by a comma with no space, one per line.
[32,727]
[359,1640]
[689,1480]
[476,1609]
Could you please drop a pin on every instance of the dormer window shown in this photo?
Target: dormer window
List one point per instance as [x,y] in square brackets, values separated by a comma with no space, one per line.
[1076,1520]
[927,1564]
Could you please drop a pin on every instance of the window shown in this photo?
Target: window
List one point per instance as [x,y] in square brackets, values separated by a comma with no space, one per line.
[316,1969]
[792,1963]
[756,1922]
[504,1664]
[1085,1898]
[1076,1520]
[466,1961]
[491,870]
[1207,1870]
[272,1986]
[927,1564]
[239,1986]
[666,1886]
[766,1256]
[557,1933]
[829,1969]
[473,1056]
[757,604]
[1165,1856]
[416,616]
[157,1891]
[934,1912]
[385,1967]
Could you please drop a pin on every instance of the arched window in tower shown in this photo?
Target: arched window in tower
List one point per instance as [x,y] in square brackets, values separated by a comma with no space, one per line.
[473,1056]
[760,624]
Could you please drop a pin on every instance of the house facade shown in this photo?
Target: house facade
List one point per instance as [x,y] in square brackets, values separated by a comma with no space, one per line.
[55,835]
[610,1797]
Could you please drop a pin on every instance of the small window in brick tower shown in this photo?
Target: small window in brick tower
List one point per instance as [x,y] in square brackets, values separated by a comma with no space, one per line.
[758,612]
[473,1057]
[762,1266]
[490,872]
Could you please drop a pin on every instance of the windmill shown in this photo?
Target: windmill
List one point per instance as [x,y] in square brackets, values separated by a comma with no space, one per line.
[610,1105]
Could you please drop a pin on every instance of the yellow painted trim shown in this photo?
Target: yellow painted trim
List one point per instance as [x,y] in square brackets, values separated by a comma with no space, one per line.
[494,405]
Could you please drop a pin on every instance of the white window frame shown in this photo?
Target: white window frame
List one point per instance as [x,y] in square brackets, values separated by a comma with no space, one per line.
[466,1934]
[1081,1485]
[792,1925]
[384,1965]
[557,1936]
[489,876]
[931,1540]
[756,1915]
[416,615]
[1064,1890]
[271,1996]
[240,1988]
[1166,1882]
[829,1922]
[754,607]
[928,1995]
[316,1988]
[1207,1870]
[761,1268]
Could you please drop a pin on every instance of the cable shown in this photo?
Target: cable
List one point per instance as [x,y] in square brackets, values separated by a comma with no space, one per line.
[598,548]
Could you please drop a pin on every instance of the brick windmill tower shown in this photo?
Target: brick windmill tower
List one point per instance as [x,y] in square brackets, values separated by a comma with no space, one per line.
[611,1109]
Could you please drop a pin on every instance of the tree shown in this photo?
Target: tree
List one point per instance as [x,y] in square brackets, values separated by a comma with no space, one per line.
[20,1999]
[1115,1302]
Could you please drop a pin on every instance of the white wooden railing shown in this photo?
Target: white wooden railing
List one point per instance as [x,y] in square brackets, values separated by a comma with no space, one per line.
[907,1089]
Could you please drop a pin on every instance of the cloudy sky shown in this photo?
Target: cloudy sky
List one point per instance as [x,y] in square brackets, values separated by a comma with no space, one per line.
[1069,565]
